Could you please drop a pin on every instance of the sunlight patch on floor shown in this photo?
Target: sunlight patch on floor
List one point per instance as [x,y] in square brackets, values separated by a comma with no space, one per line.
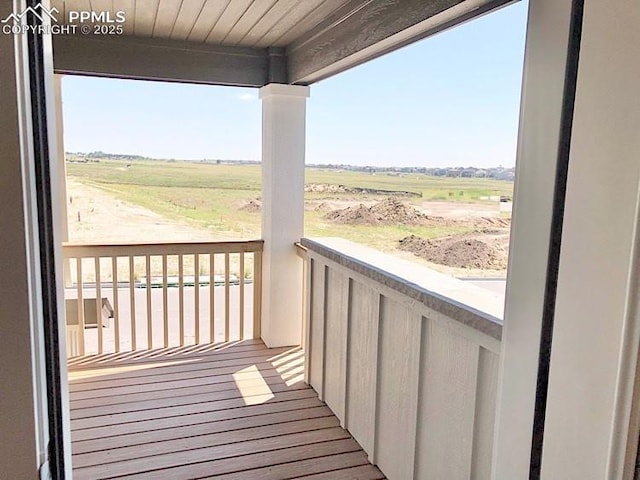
[255,392]
[293,372]
[294,379]
[284,357]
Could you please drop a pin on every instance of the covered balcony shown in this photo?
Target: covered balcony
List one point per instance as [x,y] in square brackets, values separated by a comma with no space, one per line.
[281,357]
[318,358]
[396,366]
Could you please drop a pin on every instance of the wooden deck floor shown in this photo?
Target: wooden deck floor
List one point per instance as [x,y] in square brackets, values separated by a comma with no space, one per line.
[238,411]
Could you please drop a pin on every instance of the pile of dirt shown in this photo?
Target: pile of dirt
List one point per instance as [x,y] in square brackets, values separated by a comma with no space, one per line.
[336,188]
[388,212]
[357,215]
[252,206]
[323,207]
[489,222]
[326,188]
[461,251]
[394,212]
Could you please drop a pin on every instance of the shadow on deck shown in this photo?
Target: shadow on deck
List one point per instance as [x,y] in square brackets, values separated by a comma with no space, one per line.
[235,410]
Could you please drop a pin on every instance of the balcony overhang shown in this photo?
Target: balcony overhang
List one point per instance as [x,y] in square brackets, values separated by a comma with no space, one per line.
[255,43]
[158,59]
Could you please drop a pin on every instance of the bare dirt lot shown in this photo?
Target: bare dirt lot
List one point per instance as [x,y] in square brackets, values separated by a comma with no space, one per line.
[457,209]
[484,248]
[387,212]
[392,211]
[481,250]
[429,208]
[96,217]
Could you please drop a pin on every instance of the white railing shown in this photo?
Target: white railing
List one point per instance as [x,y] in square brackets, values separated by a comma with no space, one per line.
[144,296]
[410,373]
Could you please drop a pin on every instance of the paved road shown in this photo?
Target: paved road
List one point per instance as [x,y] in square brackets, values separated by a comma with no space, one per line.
[495,285]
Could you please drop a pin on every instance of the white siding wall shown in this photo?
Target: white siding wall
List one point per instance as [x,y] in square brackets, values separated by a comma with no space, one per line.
[414,388]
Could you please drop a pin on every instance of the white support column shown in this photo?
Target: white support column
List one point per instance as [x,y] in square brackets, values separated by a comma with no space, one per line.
[596,332]
[597,322]
[61,163]
[538,140]
[283,155]
[63,196]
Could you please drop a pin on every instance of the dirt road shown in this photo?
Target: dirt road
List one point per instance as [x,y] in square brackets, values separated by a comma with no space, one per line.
[98,217]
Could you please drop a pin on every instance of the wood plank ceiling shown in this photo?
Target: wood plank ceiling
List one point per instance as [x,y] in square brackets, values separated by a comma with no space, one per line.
[246,23]
[251,42]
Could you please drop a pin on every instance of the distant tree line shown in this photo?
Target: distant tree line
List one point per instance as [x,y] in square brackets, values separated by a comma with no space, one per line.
[497,173]
[99,155]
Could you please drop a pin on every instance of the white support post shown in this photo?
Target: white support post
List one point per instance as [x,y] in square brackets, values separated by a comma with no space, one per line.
[597,322]
[62,167]
[63,196]
[538,140]
[283,155]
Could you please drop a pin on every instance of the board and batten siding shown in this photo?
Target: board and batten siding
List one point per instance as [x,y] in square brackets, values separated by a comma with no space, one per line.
[415,388]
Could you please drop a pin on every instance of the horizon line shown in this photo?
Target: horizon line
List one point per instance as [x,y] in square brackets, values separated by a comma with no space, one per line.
[257,162]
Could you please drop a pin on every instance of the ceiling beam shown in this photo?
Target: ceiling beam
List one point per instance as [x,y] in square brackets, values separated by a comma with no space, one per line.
[365,29]
[156,59]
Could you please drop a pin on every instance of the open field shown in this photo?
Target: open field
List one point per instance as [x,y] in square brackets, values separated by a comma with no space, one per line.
[117,200]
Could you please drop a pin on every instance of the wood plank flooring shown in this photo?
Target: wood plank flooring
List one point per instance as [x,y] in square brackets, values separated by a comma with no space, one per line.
[226,411]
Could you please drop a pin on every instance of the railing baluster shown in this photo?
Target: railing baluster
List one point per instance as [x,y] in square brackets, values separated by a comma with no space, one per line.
[80,304]
[212,299]
[257,294]
[141,256]
[196,295]
[181,297]
[165,301]
[99,305]
[226,296]
[149,314]
[132,303]
[241,295]
[116,315]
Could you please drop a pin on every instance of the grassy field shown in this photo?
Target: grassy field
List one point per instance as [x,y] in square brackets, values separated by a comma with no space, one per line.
[210,196]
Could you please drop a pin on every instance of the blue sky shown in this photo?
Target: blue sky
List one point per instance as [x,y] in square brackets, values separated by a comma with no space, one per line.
[449,100]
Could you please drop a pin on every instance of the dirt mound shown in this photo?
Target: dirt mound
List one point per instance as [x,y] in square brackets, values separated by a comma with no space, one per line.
[388,212]
[335,188]
[356,215]
[461,251]
[326,188]
[252,206]
[394,211]
[490,222]
[323,207]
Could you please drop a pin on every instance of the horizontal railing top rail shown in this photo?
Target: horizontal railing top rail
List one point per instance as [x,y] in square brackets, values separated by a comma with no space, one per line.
[77,250]
[467,314]
[148,295]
